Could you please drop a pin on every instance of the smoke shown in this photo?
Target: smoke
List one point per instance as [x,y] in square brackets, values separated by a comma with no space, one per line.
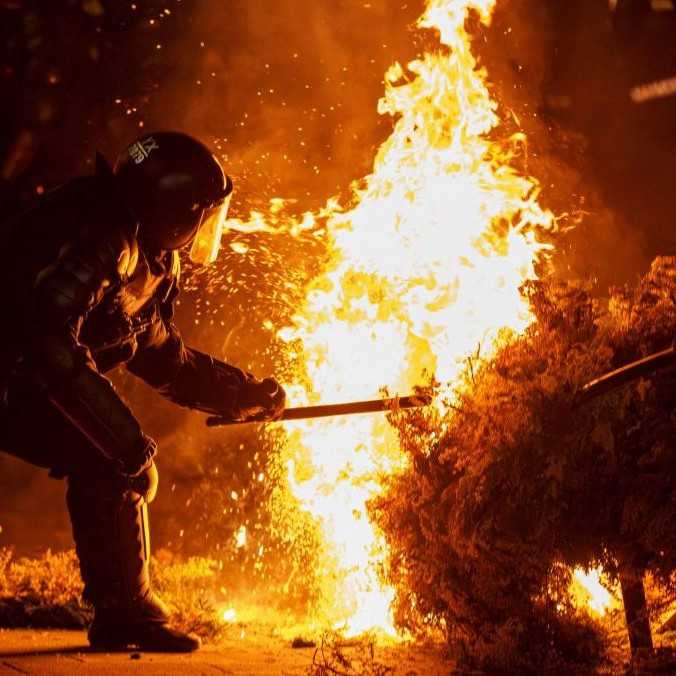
[285,91]
[561,69]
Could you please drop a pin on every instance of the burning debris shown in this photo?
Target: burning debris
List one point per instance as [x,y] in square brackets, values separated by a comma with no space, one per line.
[517,484]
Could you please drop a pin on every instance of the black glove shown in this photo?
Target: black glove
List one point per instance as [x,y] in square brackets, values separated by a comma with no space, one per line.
[144,483]
[140,458]
[138,473]
[261,400]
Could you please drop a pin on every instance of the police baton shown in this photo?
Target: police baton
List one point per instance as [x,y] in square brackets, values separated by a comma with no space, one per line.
[332,410]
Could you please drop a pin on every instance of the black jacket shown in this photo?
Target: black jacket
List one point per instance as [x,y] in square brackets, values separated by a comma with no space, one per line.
[84,296]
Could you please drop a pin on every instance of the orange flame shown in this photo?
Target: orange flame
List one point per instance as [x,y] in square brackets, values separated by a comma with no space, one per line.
[589,591]
[425,267]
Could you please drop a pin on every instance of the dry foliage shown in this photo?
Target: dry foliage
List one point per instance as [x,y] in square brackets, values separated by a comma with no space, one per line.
[186,586]
[337,657]
[518,483]
[42,592]
[46,592]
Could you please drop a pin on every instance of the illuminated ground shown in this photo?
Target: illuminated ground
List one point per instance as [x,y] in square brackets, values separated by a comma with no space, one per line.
[65,652]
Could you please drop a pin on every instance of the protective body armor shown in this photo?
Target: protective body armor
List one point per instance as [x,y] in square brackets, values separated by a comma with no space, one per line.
[88,297]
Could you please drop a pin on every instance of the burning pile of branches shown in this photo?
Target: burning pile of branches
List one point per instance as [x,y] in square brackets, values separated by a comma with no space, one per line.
[518,483]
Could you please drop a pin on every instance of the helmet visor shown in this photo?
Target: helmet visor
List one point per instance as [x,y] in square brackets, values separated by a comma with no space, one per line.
[207,242]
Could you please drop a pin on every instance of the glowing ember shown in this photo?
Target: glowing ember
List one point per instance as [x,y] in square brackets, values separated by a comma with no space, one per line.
[230,615]
[590,592]
[240,537]
[425,268]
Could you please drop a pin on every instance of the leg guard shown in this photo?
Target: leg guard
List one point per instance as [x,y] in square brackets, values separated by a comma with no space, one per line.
[110,527]
[112,542]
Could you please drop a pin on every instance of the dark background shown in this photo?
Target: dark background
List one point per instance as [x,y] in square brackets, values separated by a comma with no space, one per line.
[285,91]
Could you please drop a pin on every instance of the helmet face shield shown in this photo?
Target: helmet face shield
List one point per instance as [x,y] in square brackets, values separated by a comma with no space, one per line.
[207,242]
[176,190]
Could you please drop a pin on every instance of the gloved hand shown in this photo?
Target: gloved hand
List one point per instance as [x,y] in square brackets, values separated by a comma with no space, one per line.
[261,399]
[137,471]
[145,482]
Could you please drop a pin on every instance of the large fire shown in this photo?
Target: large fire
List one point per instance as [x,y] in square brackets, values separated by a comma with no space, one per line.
[425,270]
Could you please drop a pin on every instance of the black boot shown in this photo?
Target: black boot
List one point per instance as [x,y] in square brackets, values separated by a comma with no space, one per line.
[143,625]
[110,527]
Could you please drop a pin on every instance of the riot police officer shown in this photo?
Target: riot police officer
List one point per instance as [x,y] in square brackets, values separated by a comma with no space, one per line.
[91,274]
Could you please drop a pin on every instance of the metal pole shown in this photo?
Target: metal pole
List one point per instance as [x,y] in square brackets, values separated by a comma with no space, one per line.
[595,388]
[330,410]
[643,367]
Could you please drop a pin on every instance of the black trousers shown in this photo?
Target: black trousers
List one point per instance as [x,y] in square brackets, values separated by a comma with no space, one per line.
[109,522]
[32,429]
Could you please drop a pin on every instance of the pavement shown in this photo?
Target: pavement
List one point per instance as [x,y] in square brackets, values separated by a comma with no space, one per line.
[66,652]
[25,651]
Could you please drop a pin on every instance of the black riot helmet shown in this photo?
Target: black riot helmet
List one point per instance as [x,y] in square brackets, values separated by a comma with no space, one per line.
[178,192]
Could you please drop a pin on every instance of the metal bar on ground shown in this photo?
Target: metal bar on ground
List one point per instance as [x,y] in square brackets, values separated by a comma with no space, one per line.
[330,410]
